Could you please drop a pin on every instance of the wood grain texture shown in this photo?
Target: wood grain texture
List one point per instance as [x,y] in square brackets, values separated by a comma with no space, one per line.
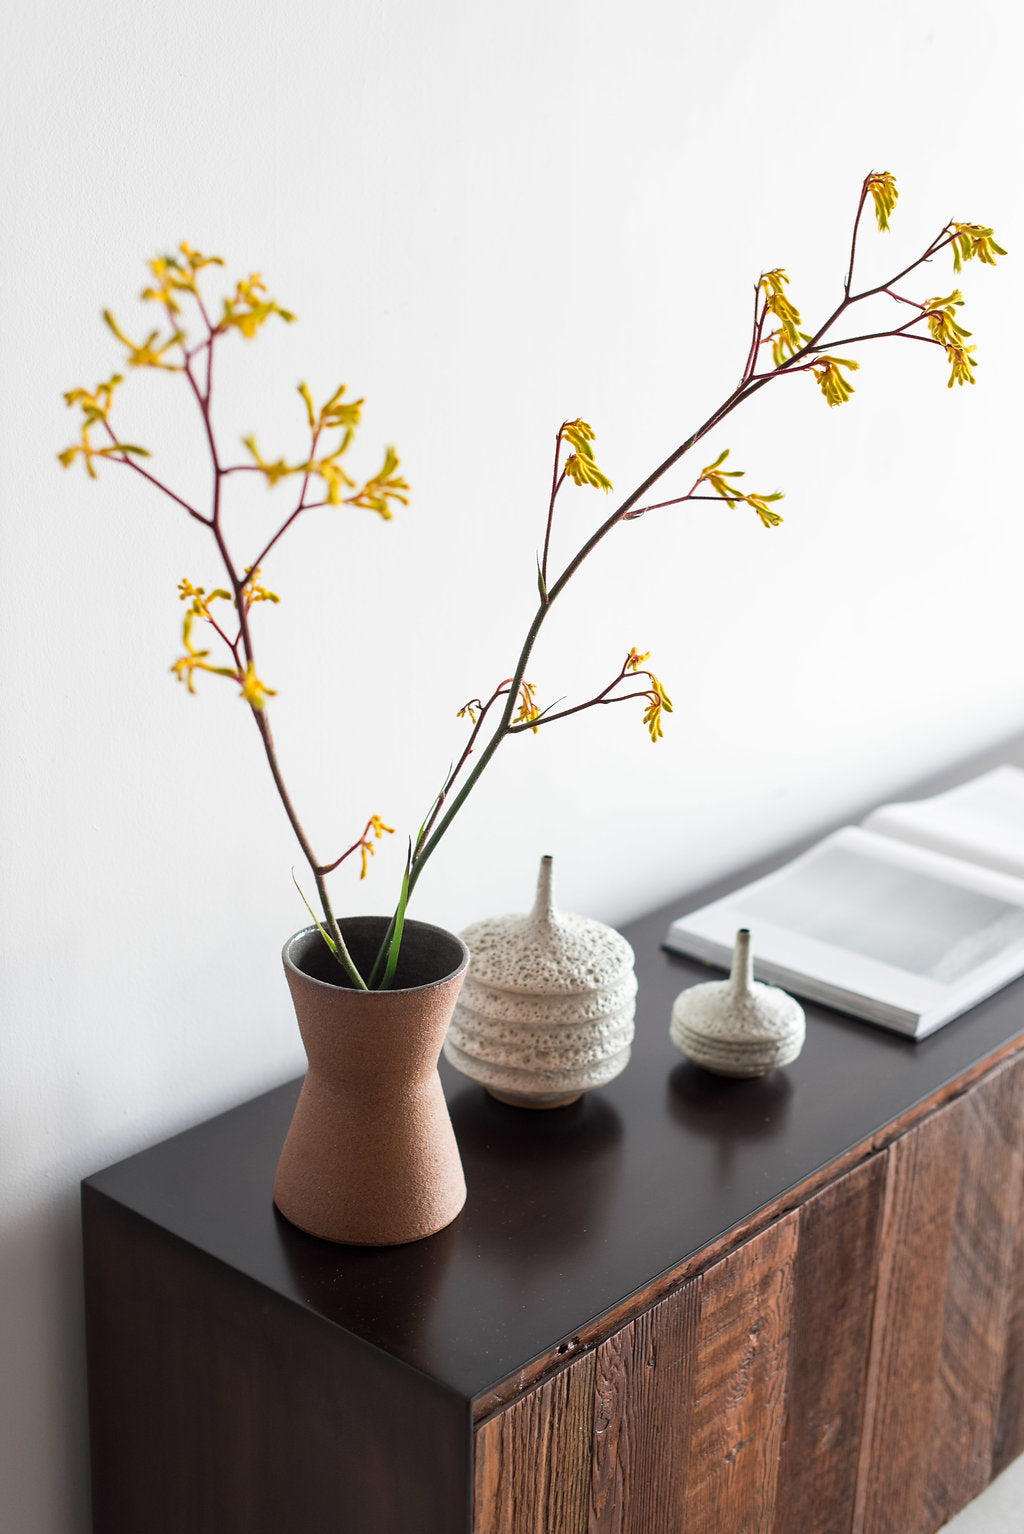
[533,1460]
[969,1388]
[739,1386]
[922,1185]
[833,1301]
[1009,1437]
[643,1397]
[937,1375]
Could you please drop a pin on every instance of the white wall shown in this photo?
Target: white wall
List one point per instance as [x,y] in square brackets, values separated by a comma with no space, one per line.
[489,218]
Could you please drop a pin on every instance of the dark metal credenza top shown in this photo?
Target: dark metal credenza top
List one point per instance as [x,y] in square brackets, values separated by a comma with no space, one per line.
[572,1211]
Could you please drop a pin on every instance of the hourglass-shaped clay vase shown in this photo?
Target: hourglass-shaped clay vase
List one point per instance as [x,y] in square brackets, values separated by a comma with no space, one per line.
[738,1027]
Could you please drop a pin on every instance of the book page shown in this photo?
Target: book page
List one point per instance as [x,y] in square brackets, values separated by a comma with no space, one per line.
[891,914]
[876,926]
[982,821]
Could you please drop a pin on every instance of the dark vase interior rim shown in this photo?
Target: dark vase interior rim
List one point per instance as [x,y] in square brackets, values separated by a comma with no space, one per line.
[381,921]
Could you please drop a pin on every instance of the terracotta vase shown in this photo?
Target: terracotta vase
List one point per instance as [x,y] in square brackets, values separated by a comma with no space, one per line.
[370,1158]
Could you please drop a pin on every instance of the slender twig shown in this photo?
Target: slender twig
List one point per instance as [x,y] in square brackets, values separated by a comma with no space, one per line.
[159,485]
[454,771]
[882,335]
[328,868]
[557,480]
[231,644]
[638,511]
[853,242]
[937,244]
[755,342]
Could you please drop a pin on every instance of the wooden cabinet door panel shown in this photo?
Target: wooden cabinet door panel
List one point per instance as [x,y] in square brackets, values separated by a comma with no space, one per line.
[532,1473]
[834,1291]
[936,1376]
[642,1419]
[662,1427]
[739,1385]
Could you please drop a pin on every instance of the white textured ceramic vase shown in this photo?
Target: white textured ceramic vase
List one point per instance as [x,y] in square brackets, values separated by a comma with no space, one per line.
[546,1011]
[738,1027]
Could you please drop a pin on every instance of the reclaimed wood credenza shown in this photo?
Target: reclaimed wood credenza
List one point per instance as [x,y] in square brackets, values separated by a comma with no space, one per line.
[681,1306]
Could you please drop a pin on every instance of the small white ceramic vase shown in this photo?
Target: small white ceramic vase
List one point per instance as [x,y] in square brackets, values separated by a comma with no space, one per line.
[738,1027]
[547,1008]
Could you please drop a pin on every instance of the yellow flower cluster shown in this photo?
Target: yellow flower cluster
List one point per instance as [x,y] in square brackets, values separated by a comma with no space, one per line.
[246,310]
[366,847]
[940,314]
[252,690]
[375,495]
[528,709]
[789,338]
[836,388]
[146,353]
[970,240]
[177,274]
[580,466]
[718,479]
[659,701]
[95,411]
[882,186]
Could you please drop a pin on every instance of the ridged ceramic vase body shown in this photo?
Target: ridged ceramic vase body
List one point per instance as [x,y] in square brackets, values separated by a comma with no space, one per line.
[548,1007]
[738,1027]
[370,1158]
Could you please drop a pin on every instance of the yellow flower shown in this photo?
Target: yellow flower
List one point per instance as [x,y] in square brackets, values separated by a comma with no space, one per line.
[882,186]
[659,702]
[836,389]
[788,338]
[527,706]
[583,471]
[469,708]
[196,660]
[254,691]
[366,847]
[200,600]
[962,365]
[580,466]
[970,240]
[247,311]
[95,409]
[334,477]
[759,503]
[718,478]
[174,276]
[385,486]
[95,405]
[272,472]
[941,317]
[254,593]
[337,412]
[147,354]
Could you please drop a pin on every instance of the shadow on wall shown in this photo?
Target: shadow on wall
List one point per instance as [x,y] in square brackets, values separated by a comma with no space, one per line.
[44,1465]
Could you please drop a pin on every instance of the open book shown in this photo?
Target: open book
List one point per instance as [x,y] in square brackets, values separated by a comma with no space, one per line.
[906,920]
